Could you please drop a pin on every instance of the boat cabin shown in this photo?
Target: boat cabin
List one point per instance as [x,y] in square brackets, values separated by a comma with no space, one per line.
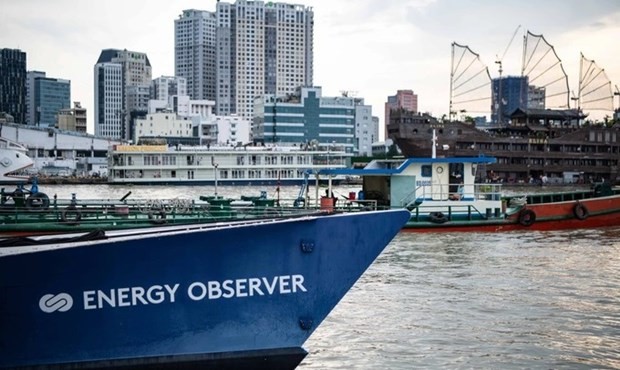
[440,182]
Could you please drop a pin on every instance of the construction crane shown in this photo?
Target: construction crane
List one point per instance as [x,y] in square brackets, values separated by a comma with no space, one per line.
[500,101]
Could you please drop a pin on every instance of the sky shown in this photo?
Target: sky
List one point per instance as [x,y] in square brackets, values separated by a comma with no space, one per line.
[368,47]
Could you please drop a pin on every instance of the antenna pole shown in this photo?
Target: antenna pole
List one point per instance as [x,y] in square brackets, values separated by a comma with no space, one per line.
[434,145]
[451,82]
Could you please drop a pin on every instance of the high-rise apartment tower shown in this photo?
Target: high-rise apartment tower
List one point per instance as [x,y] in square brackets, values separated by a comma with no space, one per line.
[244,50]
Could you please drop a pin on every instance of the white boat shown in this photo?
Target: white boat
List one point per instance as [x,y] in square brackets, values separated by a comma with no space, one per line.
[13,160]
[241,165]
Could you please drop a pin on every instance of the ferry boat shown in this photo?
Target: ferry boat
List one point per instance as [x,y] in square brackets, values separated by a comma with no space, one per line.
[240,165]
[453,194]
[241,295]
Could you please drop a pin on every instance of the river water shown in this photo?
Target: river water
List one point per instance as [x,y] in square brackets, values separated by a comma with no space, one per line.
[537,300]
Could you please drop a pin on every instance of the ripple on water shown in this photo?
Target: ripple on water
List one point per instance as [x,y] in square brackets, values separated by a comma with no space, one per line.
[477,300]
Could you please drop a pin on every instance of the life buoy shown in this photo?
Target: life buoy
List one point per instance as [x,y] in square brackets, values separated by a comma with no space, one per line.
[38,201]
[580,211]
[527,217]
[71,215]
[438,217]
[157,217]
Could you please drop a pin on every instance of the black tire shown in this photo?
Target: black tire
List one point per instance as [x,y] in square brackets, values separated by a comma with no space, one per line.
[71,215]
[157,217]
[38,201]
[438,217]
[527,217]
[580,211]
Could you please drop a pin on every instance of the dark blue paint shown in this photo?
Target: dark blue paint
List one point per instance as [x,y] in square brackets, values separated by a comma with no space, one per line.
[344,245]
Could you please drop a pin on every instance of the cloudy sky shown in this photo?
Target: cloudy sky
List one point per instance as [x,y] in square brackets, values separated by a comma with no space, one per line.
[370,47]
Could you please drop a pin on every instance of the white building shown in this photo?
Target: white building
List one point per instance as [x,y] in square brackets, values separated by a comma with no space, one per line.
[163,124]
[232,129]
[108,100]
[366,128]
[245,50]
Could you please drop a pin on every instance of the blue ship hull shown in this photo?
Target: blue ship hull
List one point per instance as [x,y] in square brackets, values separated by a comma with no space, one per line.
[240,296]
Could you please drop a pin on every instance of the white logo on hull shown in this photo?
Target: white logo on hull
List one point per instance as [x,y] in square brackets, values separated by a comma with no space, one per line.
[60,302]
[157,294]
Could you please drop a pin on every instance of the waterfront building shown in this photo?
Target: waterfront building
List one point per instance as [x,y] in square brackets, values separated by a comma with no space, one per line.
[31,112]
[73,119]
[244,50]
[306,117]
[134,70]
[50,96]
[404,99]
[13,84]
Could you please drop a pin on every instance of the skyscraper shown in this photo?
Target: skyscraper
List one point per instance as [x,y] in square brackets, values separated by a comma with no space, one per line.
[194,52]
[109,100]
[116,71]
[244,50]
[13,83]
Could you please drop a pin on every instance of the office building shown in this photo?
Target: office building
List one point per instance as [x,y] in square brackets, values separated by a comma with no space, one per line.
[13,84]
[307,117]
[116,73]
[31,112]
[50,96]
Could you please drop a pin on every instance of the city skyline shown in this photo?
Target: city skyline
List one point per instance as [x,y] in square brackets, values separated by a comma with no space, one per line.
[358,47]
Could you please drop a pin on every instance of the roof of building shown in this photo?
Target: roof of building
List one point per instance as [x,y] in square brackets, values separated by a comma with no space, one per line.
[107,55]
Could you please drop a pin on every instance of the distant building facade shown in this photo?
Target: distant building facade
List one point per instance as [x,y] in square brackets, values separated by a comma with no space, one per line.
[509,94]
[404,99]
[307,117]
[116,73]
[31,112]
[108,115]
[194,52]
[50,96]
[13,84]
[244,50]
[73,119]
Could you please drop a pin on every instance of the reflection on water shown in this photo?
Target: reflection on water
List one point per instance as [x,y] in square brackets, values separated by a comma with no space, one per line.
[511,300]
